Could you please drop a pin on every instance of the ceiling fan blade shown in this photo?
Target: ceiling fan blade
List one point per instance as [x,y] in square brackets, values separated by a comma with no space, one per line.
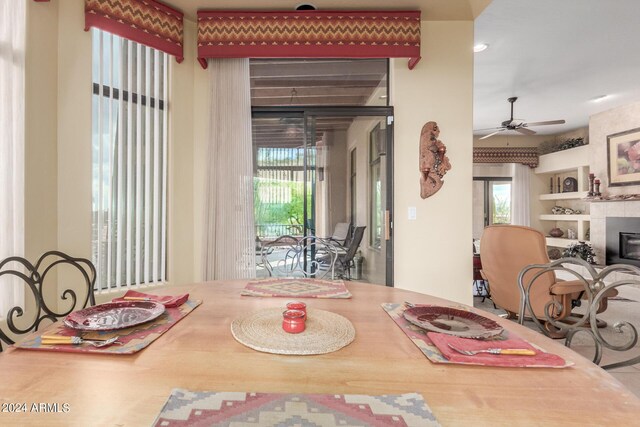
[549,122]
[480,130]
[491,134]
[525,131]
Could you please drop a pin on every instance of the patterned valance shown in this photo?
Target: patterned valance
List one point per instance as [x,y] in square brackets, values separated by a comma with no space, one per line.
[144,21]
[308,34]
[525,155]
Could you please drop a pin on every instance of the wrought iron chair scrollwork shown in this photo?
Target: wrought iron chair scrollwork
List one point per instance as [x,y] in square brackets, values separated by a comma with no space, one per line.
[288,256]
[596,293]
[33,276]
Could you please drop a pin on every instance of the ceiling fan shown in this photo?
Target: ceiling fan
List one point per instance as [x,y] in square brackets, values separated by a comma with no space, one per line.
[518,125]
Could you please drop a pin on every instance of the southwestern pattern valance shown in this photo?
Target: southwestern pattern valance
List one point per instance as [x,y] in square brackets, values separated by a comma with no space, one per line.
[308,34]
[144,21]
[525,155]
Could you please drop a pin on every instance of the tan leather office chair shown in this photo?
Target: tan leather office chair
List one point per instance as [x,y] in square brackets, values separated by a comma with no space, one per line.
[505,251]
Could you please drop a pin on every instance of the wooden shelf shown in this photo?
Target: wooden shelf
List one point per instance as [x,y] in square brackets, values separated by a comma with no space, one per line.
[575,217]
[562,161]
[561,242]
[564,196]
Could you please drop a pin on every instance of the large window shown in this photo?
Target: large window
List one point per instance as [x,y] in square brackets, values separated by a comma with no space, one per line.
[495,194]
[129,161]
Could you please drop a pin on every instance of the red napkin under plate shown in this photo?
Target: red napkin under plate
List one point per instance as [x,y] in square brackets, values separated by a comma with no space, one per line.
[167,300]
[541,359]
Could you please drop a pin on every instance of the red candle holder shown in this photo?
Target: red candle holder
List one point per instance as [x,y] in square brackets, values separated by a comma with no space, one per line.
[293,321]
[298,305]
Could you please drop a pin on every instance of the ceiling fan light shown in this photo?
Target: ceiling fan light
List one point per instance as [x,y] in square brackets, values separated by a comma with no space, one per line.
[480,47]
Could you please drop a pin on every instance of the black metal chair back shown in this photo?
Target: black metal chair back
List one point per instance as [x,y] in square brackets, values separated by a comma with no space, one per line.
[33,276]
[345,260]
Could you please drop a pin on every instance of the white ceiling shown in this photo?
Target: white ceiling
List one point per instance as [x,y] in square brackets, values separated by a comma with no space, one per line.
[555,56]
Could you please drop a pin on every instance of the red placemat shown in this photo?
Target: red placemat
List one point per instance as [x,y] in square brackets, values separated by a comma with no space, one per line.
[296,288]
[133,339]
[423,341]
[167,300]
[541,358]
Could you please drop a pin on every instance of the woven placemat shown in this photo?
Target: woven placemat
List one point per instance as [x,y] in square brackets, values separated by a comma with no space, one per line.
[325,332]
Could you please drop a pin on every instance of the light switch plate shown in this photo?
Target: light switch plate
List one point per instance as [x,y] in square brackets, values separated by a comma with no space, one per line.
[412,213]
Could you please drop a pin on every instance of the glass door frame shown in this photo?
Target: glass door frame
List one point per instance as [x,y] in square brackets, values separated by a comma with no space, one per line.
[305,113]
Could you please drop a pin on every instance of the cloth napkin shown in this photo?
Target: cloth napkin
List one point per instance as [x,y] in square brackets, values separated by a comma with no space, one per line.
[167,300]
[541,359]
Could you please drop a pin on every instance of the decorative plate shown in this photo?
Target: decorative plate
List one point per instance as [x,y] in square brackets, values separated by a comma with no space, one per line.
[452,321]
[114,315]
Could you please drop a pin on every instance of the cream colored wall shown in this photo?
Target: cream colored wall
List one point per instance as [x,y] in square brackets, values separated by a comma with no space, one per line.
[41,145]
[74,131]
[433,253]
[607,123]
[181,215]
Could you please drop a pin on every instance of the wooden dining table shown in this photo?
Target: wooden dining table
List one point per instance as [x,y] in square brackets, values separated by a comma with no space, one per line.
[200,354]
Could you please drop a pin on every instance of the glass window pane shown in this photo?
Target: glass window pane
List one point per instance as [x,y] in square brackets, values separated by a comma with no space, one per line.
[500,202]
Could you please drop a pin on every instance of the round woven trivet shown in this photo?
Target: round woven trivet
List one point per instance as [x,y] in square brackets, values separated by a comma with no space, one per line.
[325,332]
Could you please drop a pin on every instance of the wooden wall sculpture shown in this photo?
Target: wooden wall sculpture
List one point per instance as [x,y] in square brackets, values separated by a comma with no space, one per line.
[434,163]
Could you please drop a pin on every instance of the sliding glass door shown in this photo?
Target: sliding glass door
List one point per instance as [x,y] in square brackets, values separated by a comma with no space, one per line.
[315,168]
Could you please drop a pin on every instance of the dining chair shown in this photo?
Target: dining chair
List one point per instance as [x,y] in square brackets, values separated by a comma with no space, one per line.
[291,257]
[45,300]
[506,251]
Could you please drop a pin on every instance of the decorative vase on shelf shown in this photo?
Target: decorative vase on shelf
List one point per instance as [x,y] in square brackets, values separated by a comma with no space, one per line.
[556,232]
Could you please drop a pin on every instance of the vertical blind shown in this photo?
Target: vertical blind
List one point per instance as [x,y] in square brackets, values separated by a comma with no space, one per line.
[12,168]
[129,162]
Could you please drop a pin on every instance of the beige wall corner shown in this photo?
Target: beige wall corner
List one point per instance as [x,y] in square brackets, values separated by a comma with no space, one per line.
[41,169]
[180,249]
[74,131]
[478,6]
[433,253]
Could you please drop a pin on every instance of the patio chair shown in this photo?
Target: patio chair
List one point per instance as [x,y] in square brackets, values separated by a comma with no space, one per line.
[341,234]
[288,256]
[16,270]
[345,260]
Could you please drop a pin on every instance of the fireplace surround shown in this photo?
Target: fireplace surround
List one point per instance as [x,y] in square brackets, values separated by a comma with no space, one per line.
[623,240]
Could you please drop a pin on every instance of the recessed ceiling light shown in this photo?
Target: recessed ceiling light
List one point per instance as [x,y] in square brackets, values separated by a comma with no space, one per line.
[480,47]
[599,98]
[383,97]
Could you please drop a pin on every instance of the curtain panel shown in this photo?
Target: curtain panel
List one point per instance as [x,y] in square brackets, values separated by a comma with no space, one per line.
[12,157]
[521,195]
[229,232]
[149,22]
[524,155]
[309,34]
